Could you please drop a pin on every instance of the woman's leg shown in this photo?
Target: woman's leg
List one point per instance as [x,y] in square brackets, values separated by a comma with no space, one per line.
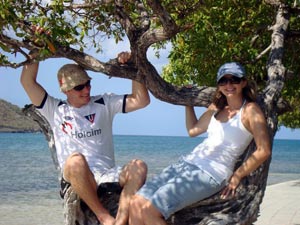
[191,184]
[142,212]
[187,184]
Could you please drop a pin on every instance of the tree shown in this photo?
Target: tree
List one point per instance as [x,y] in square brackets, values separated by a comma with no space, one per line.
[255,33]
[207,34]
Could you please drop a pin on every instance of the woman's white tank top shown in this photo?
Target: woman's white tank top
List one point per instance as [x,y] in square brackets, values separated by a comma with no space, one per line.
[225,142]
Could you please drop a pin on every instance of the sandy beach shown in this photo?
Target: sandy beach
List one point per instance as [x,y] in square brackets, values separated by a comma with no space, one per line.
[281,204]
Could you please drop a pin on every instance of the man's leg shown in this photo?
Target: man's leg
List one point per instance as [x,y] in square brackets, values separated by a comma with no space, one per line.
[78,174]
[132,177]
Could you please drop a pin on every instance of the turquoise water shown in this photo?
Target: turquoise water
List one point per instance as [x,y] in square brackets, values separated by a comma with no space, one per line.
[25,158]
[29,181]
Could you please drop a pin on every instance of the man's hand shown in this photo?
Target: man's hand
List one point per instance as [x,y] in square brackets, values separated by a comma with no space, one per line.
[33,54]
[124,57]
[40,31]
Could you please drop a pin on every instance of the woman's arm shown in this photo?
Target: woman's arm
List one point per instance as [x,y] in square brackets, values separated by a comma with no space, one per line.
[196,127]
[255,122]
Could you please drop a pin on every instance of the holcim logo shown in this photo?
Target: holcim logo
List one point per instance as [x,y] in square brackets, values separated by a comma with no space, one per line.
[85,134]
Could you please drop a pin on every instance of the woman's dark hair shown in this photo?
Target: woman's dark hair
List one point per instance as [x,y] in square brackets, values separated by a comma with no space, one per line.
[249,93]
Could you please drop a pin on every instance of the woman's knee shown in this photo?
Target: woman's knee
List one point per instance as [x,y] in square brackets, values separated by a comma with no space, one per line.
[144,207]
[137,203]
[133,202]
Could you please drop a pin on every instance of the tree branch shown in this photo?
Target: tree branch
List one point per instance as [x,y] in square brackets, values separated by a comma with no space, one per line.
[263,53]
[166,20]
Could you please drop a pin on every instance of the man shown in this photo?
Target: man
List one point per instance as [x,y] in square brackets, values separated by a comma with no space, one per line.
[82,127]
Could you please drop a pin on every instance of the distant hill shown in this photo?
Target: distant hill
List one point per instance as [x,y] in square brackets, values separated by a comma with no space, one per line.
[13,120]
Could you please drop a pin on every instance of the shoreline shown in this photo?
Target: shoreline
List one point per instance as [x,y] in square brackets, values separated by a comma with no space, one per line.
[277,178]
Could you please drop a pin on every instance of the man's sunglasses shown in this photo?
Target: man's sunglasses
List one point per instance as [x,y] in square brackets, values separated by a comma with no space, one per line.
[81,86]
[232,80]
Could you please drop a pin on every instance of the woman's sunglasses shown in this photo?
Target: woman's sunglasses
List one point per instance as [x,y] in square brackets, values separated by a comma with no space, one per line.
[81,86]
[232,80]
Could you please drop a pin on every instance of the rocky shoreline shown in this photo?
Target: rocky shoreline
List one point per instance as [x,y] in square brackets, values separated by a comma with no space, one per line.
[18,131]
[13,120]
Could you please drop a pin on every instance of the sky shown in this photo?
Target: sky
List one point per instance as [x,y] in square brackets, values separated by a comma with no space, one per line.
[158,118]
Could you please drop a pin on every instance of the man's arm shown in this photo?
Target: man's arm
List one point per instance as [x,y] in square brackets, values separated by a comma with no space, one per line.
[33,89]
[139,98]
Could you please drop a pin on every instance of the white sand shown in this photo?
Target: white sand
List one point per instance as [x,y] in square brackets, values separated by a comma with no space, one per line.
[281,204]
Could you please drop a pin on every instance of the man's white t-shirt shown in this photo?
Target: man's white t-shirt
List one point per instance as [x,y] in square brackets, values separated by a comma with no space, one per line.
[87,129]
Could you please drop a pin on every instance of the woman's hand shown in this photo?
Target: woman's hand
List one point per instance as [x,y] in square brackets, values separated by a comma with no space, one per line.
[213,107]
[230,189]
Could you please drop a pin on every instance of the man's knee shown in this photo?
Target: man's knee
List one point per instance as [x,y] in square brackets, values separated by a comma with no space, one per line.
[74,163]
[136,171]
[137,165]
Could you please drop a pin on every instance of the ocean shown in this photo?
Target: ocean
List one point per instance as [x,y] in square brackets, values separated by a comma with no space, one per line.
[29,189]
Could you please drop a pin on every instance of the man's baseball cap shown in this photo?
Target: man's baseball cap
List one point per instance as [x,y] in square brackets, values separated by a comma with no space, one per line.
[71,75]
[232,68]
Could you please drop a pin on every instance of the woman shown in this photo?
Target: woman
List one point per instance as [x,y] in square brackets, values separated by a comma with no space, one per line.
[231,121]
